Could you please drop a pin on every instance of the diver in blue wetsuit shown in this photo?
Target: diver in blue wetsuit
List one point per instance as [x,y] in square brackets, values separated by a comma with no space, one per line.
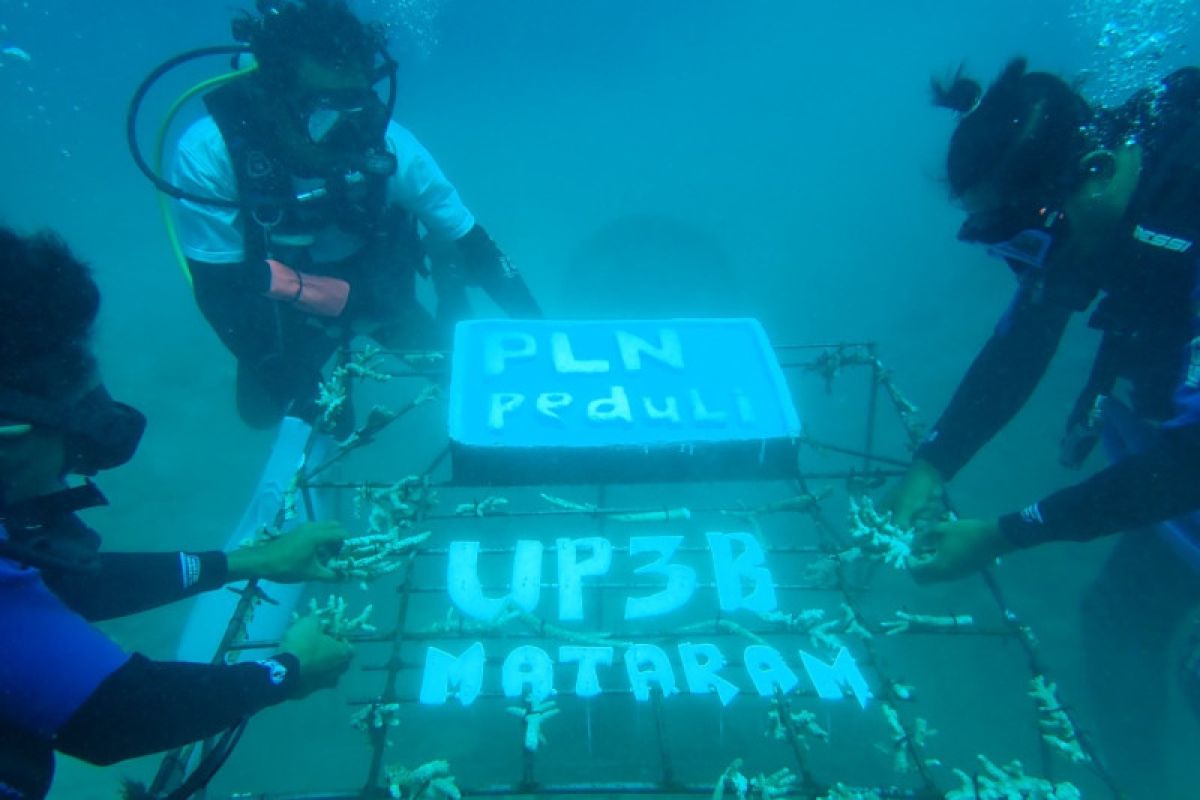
[64,685]
[1086,203]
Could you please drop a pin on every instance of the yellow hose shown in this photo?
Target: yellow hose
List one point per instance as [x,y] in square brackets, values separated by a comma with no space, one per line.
[164,202]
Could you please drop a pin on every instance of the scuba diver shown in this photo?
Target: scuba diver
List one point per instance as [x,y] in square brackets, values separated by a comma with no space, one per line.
[300,209]
[64,685]
[1082,203]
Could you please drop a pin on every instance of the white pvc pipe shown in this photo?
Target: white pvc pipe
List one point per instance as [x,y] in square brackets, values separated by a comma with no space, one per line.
[212,611]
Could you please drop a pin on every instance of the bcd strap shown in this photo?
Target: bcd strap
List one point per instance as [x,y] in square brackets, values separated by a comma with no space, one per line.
[262,182]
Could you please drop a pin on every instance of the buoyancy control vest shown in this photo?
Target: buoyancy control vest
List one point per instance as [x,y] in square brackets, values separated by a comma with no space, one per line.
[284,221]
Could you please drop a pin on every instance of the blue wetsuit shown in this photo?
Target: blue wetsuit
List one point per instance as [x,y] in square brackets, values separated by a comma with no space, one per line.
[65,686]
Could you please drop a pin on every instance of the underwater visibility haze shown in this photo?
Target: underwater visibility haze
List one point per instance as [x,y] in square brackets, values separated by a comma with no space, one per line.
[653,615]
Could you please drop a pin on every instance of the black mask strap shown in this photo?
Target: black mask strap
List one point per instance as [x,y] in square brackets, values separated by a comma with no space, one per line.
[43,533]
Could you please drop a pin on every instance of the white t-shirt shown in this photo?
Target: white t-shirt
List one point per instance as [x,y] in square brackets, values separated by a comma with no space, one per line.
[213,234]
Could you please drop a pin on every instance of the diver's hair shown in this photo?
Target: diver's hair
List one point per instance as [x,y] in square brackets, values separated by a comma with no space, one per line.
[960,95]
[1022,137]
[326,31]
[49,303]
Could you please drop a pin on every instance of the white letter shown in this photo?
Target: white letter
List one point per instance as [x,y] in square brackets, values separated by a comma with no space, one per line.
[748,565]
[701,663]
[528,666]
[681,580]
[466,590]
[745,407]
[610,408]
[444,672]
[768,671]
[498,348]
[571,572]
[659,671]
[549,403]
[830,679]
[502,403]
[565,361]
[700,412]
[670,412]
[669,351]
[587,682]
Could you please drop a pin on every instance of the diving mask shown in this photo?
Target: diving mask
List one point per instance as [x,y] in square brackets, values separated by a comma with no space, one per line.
[342,119]
[1015,233]
[100,433]
[998,224]
[345,131]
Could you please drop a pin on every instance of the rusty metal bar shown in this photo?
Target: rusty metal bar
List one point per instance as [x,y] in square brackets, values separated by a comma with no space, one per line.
[868,457]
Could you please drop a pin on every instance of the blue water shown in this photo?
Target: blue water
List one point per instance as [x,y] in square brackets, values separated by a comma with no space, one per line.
[775,158]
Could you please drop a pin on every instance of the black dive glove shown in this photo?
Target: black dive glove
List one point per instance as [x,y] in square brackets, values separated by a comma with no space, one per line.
[484,265]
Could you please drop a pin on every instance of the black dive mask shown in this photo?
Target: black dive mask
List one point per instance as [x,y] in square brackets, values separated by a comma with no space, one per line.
[1015,233]
[1000,224]
[101,433]
[344,120]
[344,132]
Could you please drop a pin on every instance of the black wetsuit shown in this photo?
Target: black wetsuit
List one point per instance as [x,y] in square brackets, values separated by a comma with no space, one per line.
[1150,285]
[65,686]
[1150,316]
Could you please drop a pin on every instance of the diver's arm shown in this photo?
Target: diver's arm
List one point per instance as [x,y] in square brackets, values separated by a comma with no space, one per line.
[999,381]
[62,679]
[211,239]
[221,284]
[149,706]
[486,266]
[126,583]
[420,185]
[1153,486]
[130,582]
[1156,485]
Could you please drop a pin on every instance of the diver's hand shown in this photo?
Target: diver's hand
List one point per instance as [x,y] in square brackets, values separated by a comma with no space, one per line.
[919,487]
[485,265]
[323,658]
[297,556]
[952,550]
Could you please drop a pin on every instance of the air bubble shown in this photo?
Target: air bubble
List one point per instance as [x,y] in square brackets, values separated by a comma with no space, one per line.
[416,20]
[1131,40]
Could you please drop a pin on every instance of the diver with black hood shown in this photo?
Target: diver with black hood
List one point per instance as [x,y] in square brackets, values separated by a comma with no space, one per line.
[64,685]
[1087,204]
[301,209]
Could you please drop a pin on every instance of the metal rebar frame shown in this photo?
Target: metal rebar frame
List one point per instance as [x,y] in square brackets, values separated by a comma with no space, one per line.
[401,634]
